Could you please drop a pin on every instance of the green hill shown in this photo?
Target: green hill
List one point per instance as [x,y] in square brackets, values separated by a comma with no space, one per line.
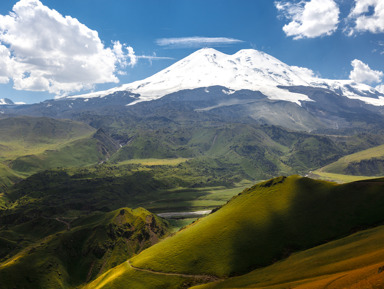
[258,227]
[41,130]
[259,152]
[29,145]
[82,152]
[7,177]
[74,251]
[183,187]
[368,162]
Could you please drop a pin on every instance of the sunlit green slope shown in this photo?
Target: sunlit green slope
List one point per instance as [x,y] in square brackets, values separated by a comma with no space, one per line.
[368,162]
[267,222]
[7,177]
[28,131]
[264,224]
[82,152]
[29,145]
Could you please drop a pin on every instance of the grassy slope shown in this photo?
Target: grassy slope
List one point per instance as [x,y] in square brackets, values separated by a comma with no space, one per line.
[30,144]
[350,262]
[94,244]
[7,177]
[264,224]
[76,153]
[154,162]
[338,178]
[159,188]
[248,232]
[124,276]
[224,143]
[368,162]
[259,152]
[38,130]
[28,135]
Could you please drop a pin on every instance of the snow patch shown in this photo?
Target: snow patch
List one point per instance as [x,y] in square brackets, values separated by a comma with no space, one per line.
[228,92]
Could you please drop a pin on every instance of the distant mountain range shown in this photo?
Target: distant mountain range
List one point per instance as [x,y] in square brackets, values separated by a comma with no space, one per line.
[249,85]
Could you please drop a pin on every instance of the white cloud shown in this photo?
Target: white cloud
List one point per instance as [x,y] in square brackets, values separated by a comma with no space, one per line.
[380,88]
[5,64]
[154,57]
[303,72]
[42,50]
[309,19]
[124,59]
[363,18]
[150,58]
[194,42]
[363,73]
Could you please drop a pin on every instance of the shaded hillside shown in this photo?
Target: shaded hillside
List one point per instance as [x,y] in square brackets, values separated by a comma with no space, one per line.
[75,250]
[105,188]
[354,262]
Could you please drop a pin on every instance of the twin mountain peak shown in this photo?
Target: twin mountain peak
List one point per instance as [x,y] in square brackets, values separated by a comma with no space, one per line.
[247,69]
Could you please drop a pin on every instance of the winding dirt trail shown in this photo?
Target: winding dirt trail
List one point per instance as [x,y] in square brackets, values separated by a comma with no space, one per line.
[202,277]
[64,222]
[334,280]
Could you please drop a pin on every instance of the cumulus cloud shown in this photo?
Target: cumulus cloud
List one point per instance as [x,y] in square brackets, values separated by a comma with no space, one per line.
[5,64]
[195,42]
[42,50]
[367,15]
[309,19]
[363,73]
[124,59]
[303,72]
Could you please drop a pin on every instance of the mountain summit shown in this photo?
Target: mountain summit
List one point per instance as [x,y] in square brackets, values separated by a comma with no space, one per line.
[5,101]
[247,69]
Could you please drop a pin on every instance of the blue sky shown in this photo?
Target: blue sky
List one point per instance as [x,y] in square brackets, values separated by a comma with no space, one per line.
[53,47]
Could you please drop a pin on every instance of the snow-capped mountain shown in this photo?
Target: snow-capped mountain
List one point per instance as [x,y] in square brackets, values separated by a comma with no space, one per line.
[247,69]
[248,86]
[5,101]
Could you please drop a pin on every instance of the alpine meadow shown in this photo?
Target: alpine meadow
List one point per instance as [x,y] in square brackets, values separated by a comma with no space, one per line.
[191,144]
